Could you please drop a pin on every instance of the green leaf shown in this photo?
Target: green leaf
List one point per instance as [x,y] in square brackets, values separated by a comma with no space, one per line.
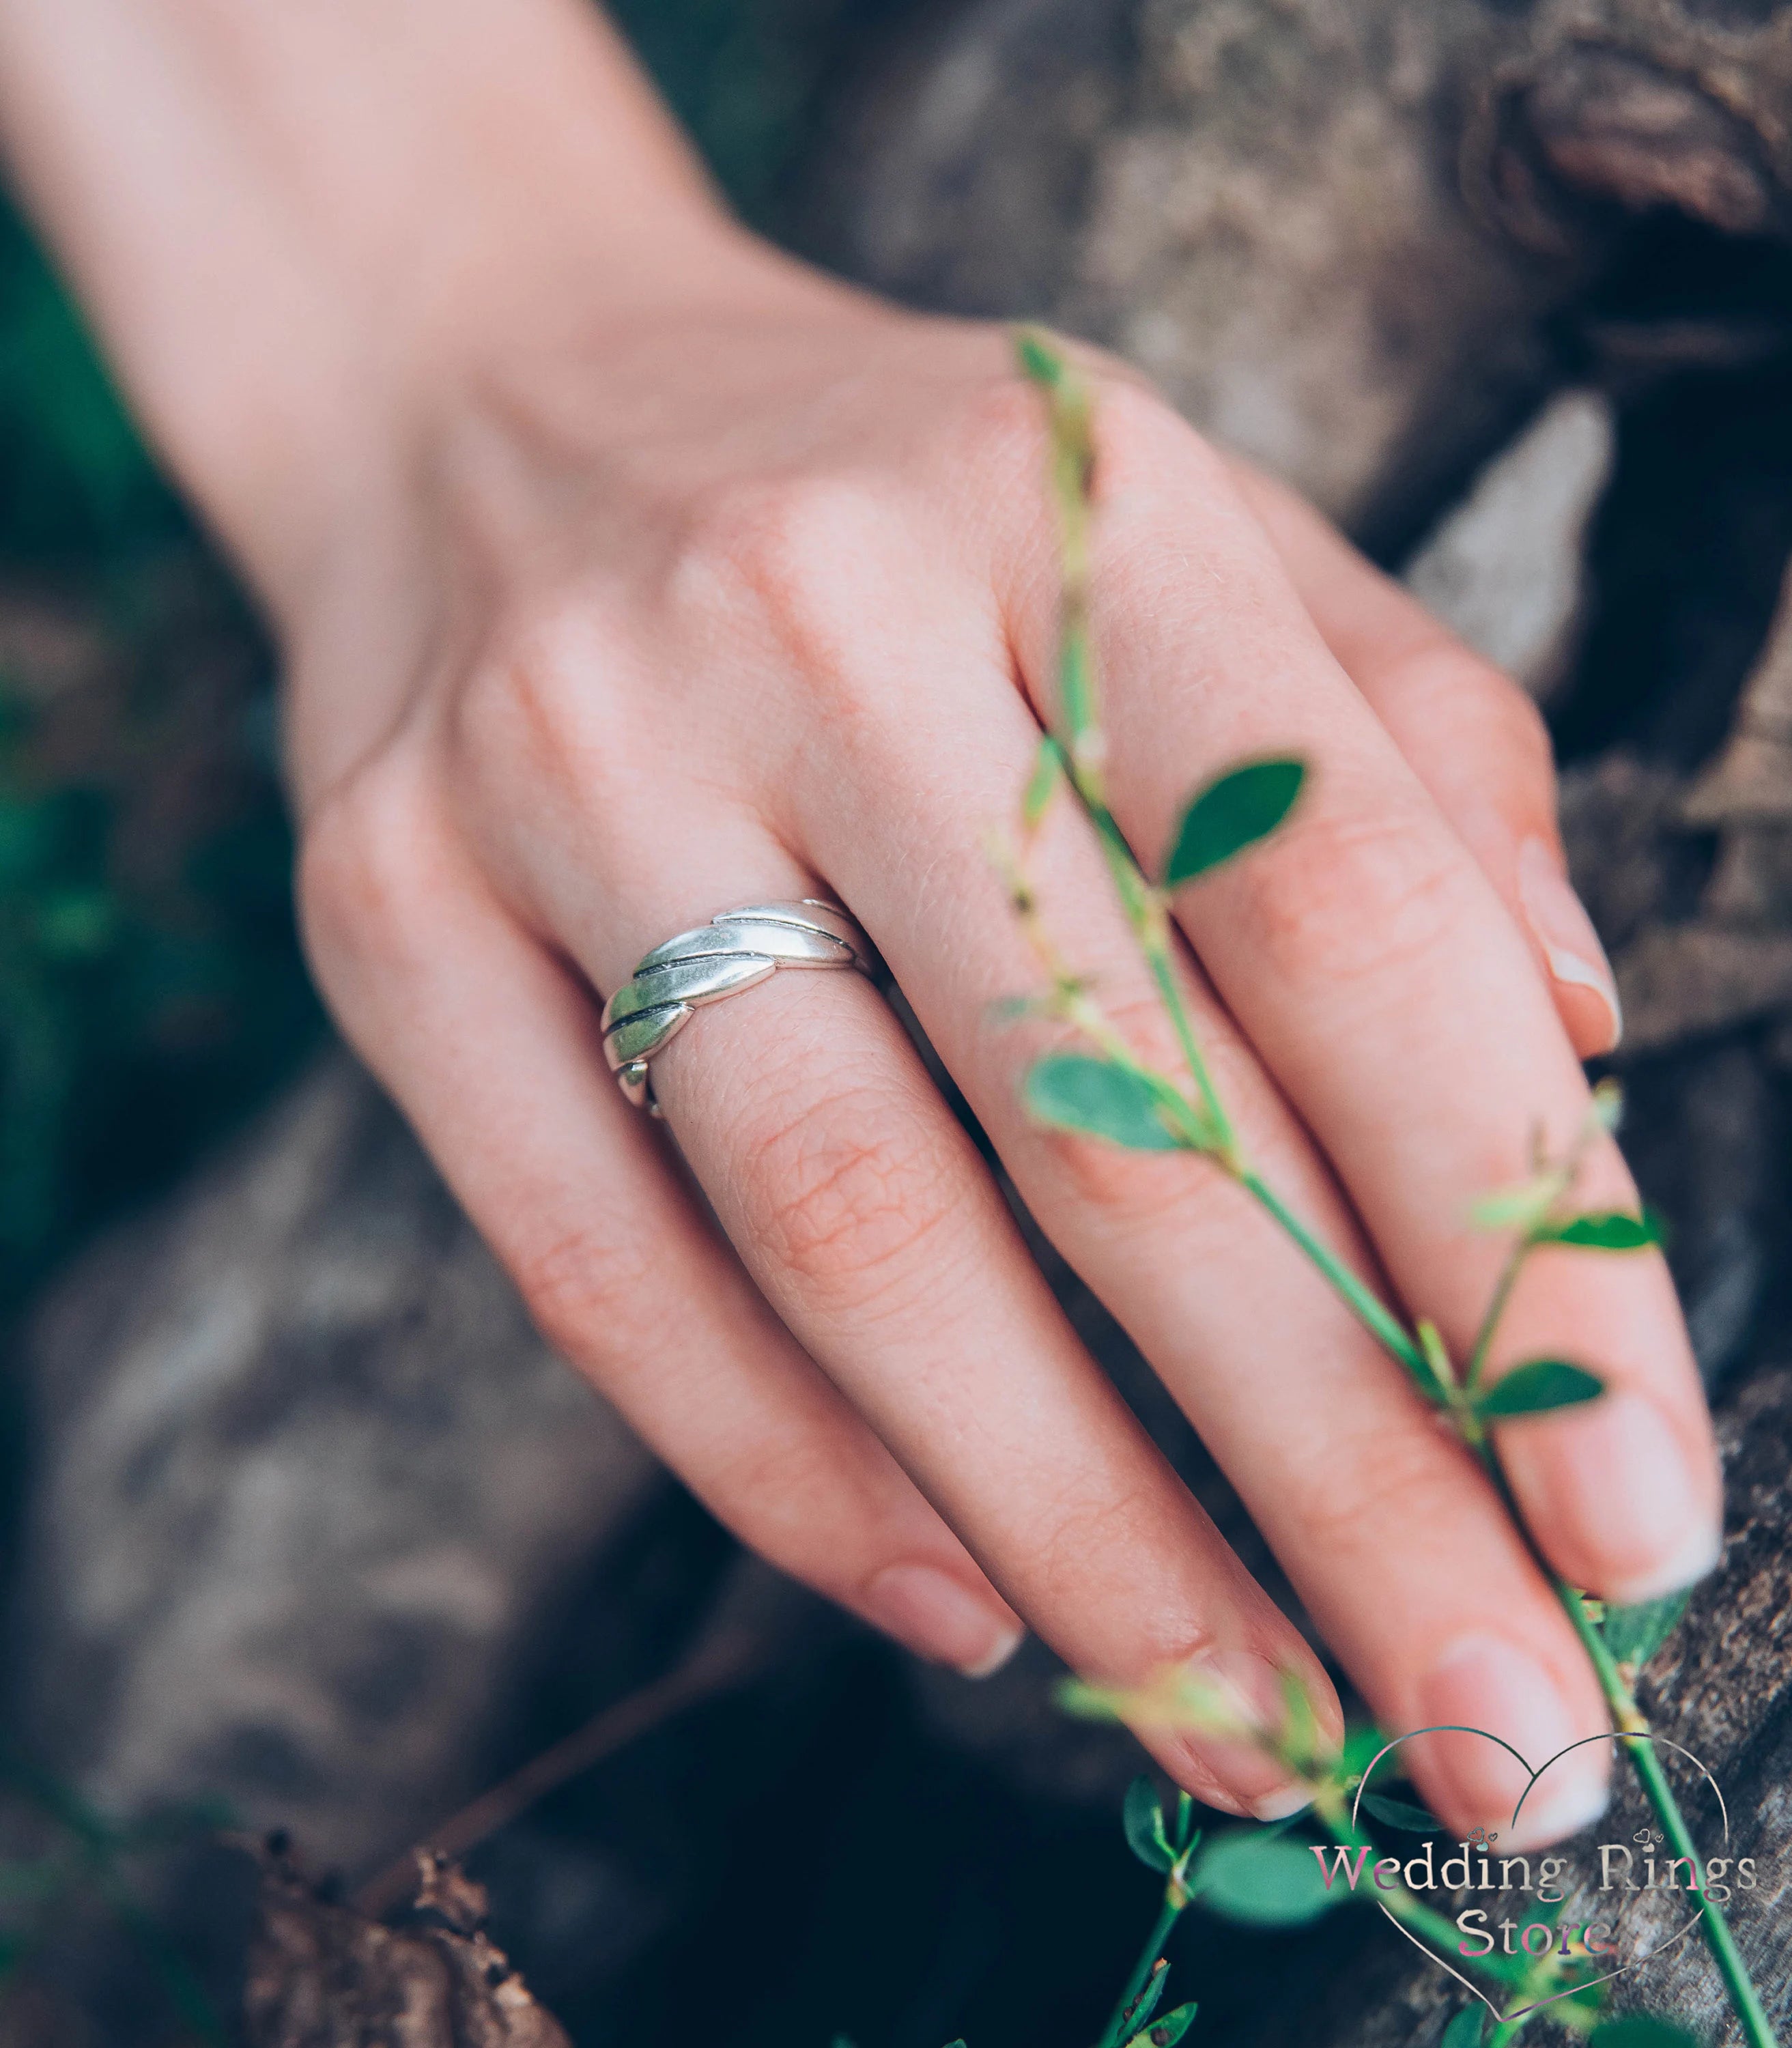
[1094,1098]
[1361,1745]
[1146,2003]
[1048,772]
[1234,811]
[1401,1813]
[1534,1388]
[1465,2030]
[1142,1817]
[1642,2030]
[1604,1230]
[1037,358]
[1633,1635]
[1261,1880]
[1166,2032]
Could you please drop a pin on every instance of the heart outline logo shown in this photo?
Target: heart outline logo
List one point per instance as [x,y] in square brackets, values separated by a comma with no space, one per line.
[1523,1763]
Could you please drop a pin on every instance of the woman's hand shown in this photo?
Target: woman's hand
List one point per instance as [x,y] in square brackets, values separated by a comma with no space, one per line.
[757,600]
[630,574]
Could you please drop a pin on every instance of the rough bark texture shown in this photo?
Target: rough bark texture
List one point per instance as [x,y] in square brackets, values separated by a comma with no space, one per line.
[1336,231]
[321,1975]
[311,1480]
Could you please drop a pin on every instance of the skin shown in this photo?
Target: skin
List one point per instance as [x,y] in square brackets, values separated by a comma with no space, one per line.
[626,572]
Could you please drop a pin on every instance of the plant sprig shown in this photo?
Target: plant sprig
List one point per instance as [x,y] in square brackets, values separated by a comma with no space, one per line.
[1118,1095]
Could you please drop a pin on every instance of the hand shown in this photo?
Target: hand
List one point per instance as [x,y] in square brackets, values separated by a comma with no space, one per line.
[755,598]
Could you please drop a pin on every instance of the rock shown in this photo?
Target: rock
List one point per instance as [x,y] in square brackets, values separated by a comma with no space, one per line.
[1258,206]
[1337,232]
[1679,982]
[1750,782]
[1506,568]
[309,1487]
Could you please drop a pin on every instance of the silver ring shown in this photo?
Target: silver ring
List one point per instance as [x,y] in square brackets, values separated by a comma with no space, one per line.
[737,950]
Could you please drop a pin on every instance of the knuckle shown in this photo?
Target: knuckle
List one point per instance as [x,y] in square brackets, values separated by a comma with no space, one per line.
[1478,709]
[853,1193]
[781,549]
[792,1498]
[369,867]
[1140,430]
[586,1290]
[1085,1531]
[1352,896]
[1364,1491]
[997,432]
[526,702]
[1128,1191]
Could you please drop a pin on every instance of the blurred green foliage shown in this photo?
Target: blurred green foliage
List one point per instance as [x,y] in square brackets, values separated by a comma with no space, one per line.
[149,982]
[75,481]
[746,77]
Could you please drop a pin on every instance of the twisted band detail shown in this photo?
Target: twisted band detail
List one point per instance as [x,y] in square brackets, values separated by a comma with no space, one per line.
[735,951]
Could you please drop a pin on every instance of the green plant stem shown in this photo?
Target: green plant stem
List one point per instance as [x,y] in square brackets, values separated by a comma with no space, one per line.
[1072,451]
[1391,1334]
[1175,1905]
[1634,1735]
[1636,1739]
[1369,1310]
[182,1987]
[1411,1912]
[1496,1309]
[1157,953]
[1146,919]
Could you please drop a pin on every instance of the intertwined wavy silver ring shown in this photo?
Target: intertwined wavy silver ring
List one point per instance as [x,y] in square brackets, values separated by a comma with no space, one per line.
[737,950]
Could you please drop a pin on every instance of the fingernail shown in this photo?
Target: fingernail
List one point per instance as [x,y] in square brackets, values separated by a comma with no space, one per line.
[1630,1498]
[1488,1684]
[939,1617]
[1249,1777]
[1558,918]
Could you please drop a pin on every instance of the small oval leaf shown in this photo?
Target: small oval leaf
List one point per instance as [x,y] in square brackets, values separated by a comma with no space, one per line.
[1642,2030]
[1262,1880]
[1536,1386]
[1143,2006]
[1401,1813]
[1234,811]
[1096,1099]
[1633,1635]
[1362,1745]
[1167,2029]
[1142,1817]
[1604,1230]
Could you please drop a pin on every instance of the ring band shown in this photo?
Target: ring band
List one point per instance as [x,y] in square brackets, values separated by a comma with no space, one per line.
[737,950]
